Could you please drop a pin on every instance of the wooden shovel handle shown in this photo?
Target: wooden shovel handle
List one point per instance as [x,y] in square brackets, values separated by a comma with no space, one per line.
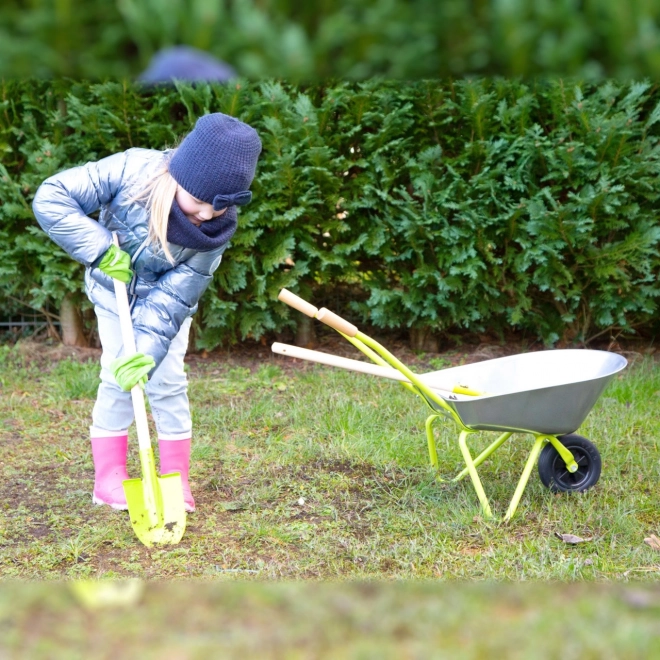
[128,338]
[123,311]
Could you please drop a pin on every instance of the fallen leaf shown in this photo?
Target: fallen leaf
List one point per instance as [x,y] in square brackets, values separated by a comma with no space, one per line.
[571,538]
[653,541]
[640,599]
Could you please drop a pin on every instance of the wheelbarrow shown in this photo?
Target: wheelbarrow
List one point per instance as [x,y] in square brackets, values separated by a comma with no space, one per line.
[546,394]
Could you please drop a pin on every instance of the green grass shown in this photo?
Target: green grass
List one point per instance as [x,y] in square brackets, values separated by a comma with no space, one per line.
[305,472]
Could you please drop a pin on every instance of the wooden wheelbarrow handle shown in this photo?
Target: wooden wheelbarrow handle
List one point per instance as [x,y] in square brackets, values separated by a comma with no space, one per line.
[360,367]
[349,330]
[292,300]
[324,315]
[337,361]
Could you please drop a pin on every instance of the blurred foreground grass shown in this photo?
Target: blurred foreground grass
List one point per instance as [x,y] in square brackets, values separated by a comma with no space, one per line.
[364,620]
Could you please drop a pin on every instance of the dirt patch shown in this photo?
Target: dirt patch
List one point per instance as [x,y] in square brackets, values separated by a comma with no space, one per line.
[10,438]
[254,354]
[48,352]
[39,531]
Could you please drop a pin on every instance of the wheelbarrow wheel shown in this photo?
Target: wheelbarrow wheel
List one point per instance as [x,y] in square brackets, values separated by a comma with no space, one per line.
[554,474]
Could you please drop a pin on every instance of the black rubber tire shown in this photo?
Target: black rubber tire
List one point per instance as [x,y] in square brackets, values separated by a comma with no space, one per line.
[552,468]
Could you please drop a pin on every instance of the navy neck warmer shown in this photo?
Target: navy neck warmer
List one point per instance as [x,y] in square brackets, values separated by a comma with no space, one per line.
[208,236]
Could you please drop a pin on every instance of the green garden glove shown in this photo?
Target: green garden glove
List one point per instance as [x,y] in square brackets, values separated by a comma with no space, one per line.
[131,370]
[117,264]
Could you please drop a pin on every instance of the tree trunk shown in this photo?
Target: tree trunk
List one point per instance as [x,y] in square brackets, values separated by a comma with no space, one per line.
[422,339]
[71,323]
[305,334]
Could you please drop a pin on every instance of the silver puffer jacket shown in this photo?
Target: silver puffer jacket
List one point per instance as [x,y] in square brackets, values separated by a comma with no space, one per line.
[162,295]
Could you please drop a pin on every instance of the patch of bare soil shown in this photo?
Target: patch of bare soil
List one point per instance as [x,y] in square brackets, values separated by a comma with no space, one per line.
[48,352]
[253,354]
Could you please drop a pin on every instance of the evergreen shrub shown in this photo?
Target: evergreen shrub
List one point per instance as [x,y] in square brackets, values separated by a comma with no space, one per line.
[435,206]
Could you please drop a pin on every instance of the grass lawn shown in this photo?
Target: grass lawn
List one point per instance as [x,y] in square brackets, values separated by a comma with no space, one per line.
[302,471]
[321,532]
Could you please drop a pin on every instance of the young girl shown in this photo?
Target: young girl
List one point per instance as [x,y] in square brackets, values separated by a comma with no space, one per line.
[174,212]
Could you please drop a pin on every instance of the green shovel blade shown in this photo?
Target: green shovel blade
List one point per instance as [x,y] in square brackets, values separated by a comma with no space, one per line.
[155,504]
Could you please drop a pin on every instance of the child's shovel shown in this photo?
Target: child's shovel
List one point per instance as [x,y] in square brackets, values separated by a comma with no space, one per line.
[155,504]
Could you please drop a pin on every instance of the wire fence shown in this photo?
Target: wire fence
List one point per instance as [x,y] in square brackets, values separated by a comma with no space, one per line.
[28,324]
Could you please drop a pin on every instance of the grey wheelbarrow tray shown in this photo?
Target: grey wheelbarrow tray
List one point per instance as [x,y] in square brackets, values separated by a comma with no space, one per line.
[546,394]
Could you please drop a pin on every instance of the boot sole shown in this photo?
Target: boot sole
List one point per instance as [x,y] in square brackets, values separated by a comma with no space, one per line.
[113,505]
[124,507]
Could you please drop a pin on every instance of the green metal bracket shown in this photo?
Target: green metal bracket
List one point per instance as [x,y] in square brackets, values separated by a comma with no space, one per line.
[566,455]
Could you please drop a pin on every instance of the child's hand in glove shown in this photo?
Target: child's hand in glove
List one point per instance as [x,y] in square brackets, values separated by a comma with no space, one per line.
[117,264]
[131,370]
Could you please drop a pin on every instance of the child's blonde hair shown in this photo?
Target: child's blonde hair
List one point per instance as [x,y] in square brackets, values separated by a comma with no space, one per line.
[157,194]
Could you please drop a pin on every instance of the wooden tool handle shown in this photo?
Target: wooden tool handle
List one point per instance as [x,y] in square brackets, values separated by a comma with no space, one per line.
[337,322]
[324,315]
[297,302]
[337,361]
[124,312]
[361,367]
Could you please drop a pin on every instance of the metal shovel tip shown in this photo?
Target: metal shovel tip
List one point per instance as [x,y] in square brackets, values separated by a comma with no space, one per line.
[158,518]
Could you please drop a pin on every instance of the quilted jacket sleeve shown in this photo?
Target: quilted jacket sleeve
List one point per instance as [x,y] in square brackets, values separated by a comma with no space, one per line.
[158,317]
[64,201]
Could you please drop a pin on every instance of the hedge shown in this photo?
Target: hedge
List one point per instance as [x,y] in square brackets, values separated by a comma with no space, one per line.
[436,207]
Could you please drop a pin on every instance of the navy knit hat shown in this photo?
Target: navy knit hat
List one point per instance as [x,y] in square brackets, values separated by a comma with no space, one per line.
[216,161]
[185,63]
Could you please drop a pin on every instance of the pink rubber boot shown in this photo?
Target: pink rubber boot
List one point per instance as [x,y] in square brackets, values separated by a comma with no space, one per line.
[175,457]
[109,453]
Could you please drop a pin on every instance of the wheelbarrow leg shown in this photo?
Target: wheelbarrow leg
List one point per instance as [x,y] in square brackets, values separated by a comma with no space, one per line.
[433,452]
[472,471]
[524,478]
[484,454]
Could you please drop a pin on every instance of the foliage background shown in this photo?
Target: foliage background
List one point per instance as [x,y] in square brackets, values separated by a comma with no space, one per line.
[435,207]
[351,39]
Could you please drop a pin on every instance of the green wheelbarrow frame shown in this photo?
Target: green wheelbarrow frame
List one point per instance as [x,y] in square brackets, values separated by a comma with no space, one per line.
[381,356]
